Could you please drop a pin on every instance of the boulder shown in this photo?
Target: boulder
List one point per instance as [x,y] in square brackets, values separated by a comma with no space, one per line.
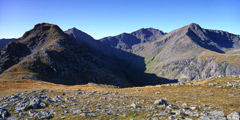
[234,116]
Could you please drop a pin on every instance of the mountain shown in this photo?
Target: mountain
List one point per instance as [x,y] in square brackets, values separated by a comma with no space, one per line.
[72,57]
[4,42]
[147,56]
[47,53]
[188,53]
[126,41]
[129,66]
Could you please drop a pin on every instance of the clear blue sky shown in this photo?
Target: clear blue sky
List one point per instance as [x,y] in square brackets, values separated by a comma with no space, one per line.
[101,18]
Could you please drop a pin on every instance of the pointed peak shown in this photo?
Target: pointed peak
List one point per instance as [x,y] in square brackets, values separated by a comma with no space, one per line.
[74,28]
[194,25]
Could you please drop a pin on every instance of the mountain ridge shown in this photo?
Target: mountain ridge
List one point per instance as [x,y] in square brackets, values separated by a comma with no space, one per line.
[185,46]
[147,56]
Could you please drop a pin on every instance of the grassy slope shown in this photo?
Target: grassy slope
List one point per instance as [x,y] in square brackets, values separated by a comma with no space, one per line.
[197,95]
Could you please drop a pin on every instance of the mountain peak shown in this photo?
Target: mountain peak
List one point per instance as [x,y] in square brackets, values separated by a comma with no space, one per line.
[148,30]
[45,26]
[42,27]
[194,26]
[78,34]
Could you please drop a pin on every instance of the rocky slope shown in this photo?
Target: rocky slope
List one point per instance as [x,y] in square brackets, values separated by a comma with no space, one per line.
[4,42]
[211,99]
[189,53]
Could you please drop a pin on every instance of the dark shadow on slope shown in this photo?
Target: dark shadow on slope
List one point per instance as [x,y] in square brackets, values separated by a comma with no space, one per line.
[132,66]
[125,65]
[206,43]
[221,38]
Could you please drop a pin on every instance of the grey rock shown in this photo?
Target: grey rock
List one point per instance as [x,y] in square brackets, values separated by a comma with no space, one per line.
[43,115]
[42,105]
[3,112]
[178,112]
[155,118]
[181,83]
[133,105]
[171,117]
[212,118]
[31,113]
[34,102]
[160,102]
[12,118]
[21,114]
[190,113]
[217,113]
[83,114]
[57,99]
[22,106]
[162,113]
[92,114]
[207,118]
[76,111]
[234,116]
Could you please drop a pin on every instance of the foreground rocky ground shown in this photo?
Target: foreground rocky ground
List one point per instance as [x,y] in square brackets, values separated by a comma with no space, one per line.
[212,99]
